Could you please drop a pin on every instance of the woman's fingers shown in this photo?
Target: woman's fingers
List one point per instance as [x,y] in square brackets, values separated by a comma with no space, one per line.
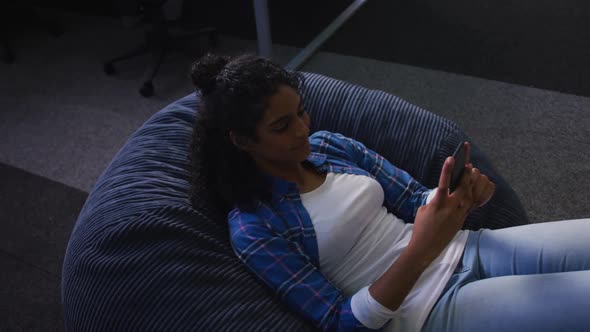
[479,185]
[463,195]
[486,193]
[483,188]
[444,181]
[468,179]
[467,152]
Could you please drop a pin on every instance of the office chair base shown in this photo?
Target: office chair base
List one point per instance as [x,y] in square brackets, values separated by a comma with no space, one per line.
[161,37]
[147,88]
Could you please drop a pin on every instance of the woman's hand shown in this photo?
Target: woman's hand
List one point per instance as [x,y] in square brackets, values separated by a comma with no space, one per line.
[483,189]
[437,222]
[435,225]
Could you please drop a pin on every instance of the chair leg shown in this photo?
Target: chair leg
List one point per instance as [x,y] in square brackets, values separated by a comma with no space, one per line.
[147,89]
[159,58]
[108,66]
[133,53]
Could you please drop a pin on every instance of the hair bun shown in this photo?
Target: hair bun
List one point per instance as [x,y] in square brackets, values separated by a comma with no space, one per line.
[205,70]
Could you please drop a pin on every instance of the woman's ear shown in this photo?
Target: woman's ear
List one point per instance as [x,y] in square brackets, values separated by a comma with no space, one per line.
[239,141]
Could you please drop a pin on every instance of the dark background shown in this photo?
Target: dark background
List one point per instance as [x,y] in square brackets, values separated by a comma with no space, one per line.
[543,44]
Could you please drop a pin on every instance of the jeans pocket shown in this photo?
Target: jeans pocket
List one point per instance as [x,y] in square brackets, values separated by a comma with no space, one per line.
[461,269]
[461,266]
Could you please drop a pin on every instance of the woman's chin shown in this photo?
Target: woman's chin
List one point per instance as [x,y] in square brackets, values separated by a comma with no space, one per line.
[305,151]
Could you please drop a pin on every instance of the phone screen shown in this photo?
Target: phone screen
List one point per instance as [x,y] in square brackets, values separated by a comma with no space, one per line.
[459,155]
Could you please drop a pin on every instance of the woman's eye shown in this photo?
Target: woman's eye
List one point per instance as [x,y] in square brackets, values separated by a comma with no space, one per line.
[281,128]
[284,127]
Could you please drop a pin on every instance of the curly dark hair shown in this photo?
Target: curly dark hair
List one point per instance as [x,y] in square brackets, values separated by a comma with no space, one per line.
[234,95]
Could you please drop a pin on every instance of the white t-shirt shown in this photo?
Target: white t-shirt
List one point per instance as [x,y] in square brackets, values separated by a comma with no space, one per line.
[358,240]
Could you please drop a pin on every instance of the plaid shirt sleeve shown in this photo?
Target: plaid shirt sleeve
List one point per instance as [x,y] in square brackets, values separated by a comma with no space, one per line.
[285,268]
[403,194]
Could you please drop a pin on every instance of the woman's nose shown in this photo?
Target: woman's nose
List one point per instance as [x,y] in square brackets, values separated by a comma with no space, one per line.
[302,129]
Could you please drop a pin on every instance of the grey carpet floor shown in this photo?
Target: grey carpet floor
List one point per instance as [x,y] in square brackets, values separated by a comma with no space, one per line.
[38,215]
[63,119]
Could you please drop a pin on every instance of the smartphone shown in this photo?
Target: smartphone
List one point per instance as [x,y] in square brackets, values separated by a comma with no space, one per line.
[459,155]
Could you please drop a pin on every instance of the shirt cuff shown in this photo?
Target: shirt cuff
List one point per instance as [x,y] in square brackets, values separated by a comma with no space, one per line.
[368,311]
[431,195]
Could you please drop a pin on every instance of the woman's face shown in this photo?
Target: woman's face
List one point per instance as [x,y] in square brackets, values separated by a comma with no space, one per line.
[283,131]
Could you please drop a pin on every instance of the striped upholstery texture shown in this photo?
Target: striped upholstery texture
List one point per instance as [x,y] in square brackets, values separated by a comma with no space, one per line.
[141,258]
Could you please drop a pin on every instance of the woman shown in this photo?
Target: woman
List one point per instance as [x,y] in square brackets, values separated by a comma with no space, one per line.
[327,223]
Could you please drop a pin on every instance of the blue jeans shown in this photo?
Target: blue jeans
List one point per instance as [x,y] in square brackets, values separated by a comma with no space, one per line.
[527,278]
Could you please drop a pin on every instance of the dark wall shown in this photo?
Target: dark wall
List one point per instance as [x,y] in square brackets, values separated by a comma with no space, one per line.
[90,7]
[539,43]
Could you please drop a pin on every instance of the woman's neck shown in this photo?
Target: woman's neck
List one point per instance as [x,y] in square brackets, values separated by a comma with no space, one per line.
[294,172]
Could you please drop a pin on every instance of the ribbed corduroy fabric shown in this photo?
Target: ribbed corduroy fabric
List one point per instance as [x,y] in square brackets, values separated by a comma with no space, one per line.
[141,258]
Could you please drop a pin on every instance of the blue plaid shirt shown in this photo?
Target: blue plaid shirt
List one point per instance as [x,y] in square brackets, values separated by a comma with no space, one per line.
[278,242]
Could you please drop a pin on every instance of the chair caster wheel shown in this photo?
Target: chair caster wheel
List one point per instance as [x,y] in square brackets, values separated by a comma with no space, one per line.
[109,69]
[147,89]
